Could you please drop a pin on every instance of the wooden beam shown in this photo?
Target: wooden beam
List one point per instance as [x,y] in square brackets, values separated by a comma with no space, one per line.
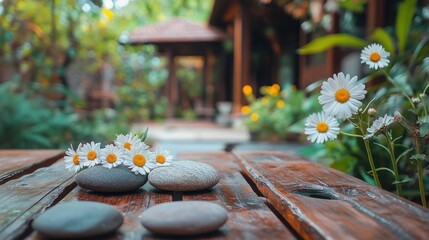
[241,56]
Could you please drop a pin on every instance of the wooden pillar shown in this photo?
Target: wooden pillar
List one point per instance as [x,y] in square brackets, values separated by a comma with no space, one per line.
[204,76]
[208,89]
[172,87]
[375,15]
[333,55]
[241,70]
[210,85]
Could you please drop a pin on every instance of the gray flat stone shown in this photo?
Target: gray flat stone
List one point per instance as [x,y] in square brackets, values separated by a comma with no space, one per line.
[184,218]
[78,219]
[101,179]
[184,176]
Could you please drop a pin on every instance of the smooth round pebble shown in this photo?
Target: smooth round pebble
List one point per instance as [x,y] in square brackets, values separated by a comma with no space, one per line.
[184,218]
[184,176]
[78,219]
[101,179]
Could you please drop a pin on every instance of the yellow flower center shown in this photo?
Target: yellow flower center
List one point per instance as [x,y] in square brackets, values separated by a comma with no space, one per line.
[160,159]
[280,103]
[342,95]
[111,158]
[245,110]
[247,90]
[322,127]
[374,57]
[76,159]
[139,160]
[254,117]
[127,145]
[91,155]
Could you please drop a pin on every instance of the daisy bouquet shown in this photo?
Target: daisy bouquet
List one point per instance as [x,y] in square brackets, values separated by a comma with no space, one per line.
[129,150]
[341,98]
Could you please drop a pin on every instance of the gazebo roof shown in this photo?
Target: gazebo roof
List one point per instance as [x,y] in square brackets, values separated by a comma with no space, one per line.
[175,30]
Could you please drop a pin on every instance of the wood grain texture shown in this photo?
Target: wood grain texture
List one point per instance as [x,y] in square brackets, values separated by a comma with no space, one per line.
[249,216]
[130,204]
[16,163]
[323,203]
[26,197]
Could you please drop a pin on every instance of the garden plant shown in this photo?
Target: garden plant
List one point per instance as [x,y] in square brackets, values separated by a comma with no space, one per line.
[388,118]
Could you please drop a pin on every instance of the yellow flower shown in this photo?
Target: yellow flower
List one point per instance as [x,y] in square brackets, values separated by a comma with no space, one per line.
[254,117]
[276,86]
[107,13]
[273,91]
[245,110]
[265,100]
[247,89]
[280,104]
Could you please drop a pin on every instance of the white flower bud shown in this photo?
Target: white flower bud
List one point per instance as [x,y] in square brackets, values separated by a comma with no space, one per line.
[416,100]
[372,112]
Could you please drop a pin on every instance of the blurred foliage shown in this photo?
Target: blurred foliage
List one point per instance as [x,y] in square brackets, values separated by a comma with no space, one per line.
[48,46]
[278,114]
[29,121]
[403,91]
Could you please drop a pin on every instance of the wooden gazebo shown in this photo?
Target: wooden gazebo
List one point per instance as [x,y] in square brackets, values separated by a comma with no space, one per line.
[179,37]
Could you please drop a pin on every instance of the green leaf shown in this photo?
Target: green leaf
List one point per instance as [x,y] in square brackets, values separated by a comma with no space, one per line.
[406,179]
[424,129]
[385,169]
[144,136]
[403,154]
[334,40]
[353,5]
[367,177]
[382,37]
[419,157]
[404,18]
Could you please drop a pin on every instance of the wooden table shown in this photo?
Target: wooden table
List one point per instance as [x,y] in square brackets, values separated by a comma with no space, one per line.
[269,195]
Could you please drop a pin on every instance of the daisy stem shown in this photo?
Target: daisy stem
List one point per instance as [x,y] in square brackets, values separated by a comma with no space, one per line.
[420,172]
[421,183]
[394,164]
[369,153]
[371,163]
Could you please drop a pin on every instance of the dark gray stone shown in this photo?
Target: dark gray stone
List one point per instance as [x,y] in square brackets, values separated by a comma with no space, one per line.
[101,179]
[78,219]
[184,176]
[184,218]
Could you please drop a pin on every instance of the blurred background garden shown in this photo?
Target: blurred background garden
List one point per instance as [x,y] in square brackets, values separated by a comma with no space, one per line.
[75,71]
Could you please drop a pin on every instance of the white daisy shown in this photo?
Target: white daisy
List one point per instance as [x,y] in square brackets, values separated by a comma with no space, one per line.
[375,56]
[340,96]
[129,141]
[163,157]
[379,125]
[112,156]
[140,160]
[89,154]
[320,127]
[72,159]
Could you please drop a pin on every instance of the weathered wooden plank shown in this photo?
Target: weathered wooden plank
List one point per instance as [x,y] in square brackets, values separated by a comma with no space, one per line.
[16,163]
[249,216]
[323,203]
[130,204]
[27,196]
